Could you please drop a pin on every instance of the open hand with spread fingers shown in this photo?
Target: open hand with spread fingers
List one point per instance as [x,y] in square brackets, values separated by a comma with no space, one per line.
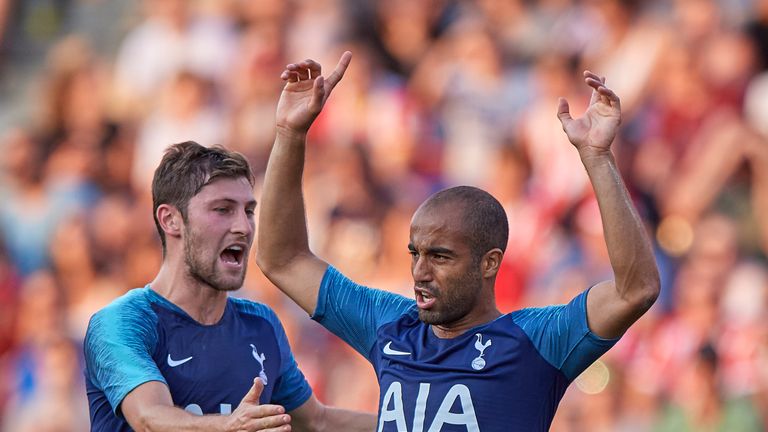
[594,132]
[305,92]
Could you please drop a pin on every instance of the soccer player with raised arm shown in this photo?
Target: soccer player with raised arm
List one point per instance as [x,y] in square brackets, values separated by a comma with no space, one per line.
[181,355]
[450,361]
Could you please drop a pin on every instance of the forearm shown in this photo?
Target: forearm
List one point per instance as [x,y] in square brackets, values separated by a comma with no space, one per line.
[354,421]
[282,219]
[284,254]
[316,417]
[169,419]
[629,249]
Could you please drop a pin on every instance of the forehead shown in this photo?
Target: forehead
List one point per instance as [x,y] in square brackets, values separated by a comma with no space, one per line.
[443,223]
[235,189]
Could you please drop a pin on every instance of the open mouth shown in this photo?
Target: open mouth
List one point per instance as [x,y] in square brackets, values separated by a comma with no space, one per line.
[424,299]
[233,255]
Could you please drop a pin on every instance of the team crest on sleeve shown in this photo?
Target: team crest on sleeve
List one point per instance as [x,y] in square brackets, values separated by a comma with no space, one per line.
[479,362]
[260,358]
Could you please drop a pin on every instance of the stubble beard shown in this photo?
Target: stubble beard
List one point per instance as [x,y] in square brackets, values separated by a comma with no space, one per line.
[204,270]
[458,298]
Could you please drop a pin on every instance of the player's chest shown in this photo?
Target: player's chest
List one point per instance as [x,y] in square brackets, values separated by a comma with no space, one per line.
[465,384]
[213,368]
[472,356]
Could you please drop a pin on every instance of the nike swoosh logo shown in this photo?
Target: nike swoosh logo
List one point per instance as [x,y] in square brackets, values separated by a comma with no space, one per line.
[174,363]
[389,351]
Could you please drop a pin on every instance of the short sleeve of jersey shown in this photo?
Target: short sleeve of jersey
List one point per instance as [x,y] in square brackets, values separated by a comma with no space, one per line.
[291,389]
[562,336]
[118,347]
[354,312]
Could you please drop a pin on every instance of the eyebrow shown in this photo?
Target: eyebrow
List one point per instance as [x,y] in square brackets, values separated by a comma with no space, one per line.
[433,250]
[249,203]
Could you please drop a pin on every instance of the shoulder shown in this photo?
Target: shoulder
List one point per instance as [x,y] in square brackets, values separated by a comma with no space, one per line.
[137,300]
[573,313]
[252,309]
[130,313]
[535,314]
[407,319]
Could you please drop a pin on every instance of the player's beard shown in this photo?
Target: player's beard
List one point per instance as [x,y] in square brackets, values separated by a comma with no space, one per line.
[455,300]
[203,268]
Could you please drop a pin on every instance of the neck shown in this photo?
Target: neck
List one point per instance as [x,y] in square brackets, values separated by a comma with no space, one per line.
[472,319]
[199,300]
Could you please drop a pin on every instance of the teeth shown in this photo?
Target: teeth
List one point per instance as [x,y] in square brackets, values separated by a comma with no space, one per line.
[235,248]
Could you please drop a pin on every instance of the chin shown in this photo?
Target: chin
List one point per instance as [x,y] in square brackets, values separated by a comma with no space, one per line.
[431,317]
[227,287]
[232,283]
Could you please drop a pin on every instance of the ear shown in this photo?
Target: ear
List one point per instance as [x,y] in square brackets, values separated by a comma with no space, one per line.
[491,262]
[170,220]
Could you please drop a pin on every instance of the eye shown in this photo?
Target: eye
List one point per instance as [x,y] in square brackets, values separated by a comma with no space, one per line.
[221,210]
[250,212]
[439,257]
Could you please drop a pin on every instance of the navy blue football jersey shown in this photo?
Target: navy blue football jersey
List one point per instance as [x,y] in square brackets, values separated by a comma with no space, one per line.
[142,337]
[506,375]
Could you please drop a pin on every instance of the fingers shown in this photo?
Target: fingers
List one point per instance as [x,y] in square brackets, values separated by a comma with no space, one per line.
[273,423]
[563,111]
[302,71]
[600,91]
[318,95]
[309,69]
[341,68]
[260,418]
[254,393]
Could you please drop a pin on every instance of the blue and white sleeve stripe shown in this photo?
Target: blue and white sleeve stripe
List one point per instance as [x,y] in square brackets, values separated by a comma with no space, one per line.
[562,336]
[118,348]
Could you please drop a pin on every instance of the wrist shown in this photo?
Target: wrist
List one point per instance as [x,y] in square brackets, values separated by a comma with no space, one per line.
[290,133]
[591,155]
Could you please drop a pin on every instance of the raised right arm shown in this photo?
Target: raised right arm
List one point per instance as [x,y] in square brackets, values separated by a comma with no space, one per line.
[283,246]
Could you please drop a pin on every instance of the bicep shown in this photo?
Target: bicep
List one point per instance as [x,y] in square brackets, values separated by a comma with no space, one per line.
[300,280]
[609,315]
[139,403]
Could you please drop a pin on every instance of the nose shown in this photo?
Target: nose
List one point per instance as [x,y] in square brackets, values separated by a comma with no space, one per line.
[243,224]
[421,270]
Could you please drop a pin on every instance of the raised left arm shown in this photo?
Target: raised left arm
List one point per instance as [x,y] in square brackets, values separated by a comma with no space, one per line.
[316,417]
[612,306]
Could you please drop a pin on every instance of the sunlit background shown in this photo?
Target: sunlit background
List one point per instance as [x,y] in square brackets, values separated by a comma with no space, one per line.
[439,93]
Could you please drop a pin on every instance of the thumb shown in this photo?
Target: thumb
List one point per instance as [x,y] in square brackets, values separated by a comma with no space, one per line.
[318,95]
[254,393]
[563,111]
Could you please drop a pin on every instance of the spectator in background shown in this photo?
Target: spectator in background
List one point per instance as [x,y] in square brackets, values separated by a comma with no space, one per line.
[174,36]
[33,204]
[697,404]
[45,366]
[186,108]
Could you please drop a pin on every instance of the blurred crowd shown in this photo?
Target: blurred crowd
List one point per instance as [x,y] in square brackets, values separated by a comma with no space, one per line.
[439,93]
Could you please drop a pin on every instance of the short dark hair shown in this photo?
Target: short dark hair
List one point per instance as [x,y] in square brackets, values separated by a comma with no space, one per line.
[186,168]
[483,218]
